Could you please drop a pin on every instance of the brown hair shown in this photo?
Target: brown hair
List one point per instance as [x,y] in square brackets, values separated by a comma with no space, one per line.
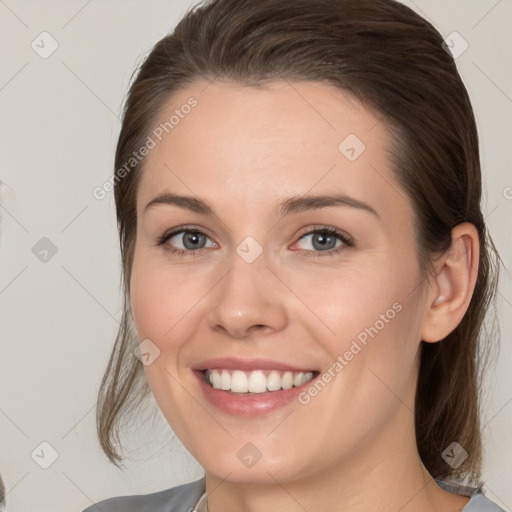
[390,58]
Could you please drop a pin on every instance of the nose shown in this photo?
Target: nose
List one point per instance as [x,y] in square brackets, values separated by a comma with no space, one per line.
[249,299]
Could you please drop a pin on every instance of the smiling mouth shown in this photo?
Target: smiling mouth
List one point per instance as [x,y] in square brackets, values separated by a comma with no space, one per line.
[256,381]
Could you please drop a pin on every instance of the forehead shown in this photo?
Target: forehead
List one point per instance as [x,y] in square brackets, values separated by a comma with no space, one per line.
[254,145]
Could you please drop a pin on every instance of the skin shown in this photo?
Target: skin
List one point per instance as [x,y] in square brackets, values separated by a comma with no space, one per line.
[244,150]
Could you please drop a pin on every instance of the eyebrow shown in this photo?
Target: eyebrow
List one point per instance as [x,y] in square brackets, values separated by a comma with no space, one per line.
[294,204]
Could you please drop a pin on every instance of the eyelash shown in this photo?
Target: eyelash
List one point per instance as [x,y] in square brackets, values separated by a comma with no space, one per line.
[325,230]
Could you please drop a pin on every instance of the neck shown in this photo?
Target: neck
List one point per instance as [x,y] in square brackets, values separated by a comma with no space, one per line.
[386,475]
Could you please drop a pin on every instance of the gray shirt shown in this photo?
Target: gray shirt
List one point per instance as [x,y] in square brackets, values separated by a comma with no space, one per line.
[185,498]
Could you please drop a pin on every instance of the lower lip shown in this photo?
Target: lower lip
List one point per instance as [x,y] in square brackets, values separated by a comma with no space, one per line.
[243,404]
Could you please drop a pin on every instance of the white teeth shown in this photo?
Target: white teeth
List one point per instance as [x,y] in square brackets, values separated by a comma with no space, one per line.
[215,380]
[239,382]
[256,381]
[225,380]
[274,381]
[287,380]
[298,379]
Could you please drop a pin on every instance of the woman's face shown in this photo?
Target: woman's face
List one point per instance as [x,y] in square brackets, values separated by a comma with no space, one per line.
[261,298]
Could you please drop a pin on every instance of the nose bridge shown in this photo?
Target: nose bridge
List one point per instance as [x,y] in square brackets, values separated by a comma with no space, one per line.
[248,295]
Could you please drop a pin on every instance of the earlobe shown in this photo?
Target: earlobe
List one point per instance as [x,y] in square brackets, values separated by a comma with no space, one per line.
[452,287]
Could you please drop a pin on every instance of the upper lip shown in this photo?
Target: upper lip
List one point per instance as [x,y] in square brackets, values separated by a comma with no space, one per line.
[233,363]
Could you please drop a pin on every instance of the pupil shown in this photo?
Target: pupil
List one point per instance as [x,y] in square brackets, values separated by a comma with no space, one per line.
[323,239]
[193,238]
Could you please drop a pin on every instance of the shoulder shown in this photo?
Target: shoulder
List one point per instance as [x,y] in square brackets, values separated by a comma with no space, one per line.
[182,498]
[480,503]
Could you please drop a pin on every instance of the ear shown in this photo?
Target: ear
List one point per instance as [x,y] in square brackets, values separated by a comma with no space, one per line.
[451,289]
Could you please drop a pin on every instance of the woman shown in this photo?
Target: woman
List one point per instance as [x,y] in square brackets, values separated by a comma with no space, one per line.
[256,138]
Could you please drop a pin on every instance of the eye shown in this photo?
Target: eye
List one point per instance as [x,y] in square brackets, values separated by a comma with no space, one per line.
[323,239]
[191,239]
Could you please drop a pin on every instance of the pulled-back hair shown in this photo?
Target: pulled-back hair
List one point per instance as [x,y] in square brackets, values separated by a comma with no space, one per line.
[391,59]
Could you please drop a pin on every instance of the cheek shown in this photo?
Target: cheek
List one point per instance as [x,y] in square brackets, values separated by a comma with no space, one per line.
[356,304]
[370,323]
[164,300]
[370,372]
[164,304]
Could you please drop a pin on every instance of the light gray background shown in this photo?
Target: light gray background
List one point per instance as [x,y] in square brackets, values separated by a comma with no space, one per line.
[58,130]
